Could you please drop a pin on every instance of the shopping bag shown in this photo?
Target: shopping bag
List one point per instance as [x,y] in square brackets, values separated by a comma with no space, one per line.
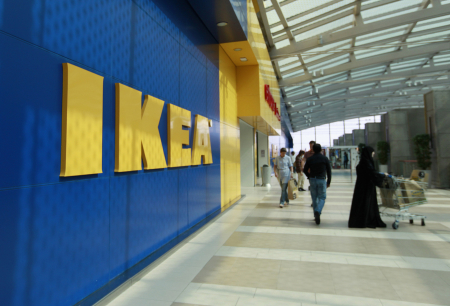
[292,189]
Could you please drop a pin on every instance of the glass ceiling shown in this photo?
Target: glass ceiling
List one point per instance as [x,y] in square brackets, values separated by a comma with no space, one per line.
[343,59]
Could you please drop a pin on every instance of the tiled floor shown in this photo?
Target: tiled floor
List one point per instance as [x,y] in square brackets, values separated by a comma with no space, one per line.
[258,254]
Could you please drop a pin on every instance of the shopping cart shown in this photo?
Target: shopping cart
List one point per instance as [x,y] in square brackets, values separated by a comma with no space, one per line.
[398,195]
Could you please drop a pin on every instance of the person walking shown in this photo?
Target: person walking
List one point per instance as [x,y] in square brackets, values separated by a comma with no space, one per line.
[307,155]
[317,169]
[299,169]
[283,171]
[293,163]
[345,160]
[333,159]
[364,212]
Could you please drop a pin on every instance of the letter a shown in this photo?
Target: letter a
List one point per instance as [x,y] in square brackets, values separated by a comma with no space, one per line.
[201,148]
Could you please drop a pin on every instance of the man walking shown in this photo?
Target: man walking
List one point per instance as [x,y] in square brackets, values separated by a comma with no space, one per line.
[283,171]
[307,155]
[317,169]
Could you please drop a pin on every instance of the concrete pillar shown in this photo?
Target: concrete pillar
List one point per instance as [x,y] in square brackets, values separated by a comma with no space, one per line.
[416,123]
[358,137]
[373,133]
[348,139]
[398,138]
[437,109]
[335,142]
[341,140]
[401,127]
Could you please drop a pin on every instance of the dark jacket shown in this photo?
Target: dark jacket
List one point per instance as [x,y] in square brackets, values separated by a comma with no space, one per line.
[319,167]
[364,211]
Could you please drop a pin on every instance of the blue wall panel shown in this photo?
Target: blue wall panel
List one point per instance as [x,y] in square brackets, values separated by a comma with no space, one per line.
[213,186]
[183,188]
[67,237]
[31,91]
[78,30]
[196,195]
[192,83]
[58,246]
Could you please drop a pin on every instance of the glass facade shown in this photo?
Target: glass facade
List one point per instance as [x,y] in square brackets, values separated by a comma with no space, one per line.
[324,134]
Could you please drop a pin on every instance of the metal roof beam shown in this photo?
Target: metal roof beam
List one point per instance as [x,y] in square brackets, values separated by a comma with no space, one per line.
[392,76]
[372,61]
[348,114]
[308,25]
[282,3]
[336,107]
[265,21]
[315,9]
[385,89]
[409,18]
[283,21]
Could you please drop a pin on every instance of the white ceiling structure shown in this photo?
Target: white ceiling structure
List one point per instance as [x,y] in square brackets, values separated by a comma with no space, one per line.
[343,59]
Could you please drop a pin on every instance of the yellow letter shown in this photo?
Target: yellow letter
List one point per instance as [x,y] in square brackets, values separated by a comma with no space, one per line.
[128,129]
[178,118]
[201,147]
[152,149]
[82,122]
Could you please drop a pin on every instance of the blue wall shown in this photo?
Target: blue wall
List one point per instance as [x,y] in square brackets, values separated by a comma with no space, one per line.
[64,238]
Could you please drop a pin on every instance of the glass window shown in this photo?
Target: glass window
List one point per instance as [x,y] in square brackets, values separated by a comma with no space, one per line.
[307,136]
[323,135]
[336,129]
[350,125]
[365,120]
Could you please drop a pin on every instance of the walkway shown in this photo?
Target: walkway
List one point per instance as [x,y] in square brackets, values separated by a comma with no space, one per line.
[259,254]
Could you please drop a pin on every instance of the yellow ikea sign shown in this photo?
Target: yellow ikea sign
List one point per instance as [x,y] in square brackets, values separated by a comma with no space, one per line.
[136,137]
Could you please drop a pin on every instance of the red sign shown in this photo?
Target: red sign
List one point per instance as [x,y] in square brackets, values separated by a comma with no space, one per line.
[269,99]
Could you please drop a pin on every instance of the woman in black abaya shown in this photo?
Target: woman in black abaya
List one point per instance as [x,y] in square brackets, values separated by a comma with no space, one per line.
[364,211]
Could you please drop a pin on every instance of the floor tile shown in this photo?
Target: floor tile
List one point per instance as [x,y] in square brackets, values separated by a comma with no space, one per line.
[258,254]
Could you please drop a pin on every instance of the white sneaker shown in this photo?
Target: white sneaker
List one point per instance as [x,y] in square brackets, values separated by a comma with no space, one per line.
[281,205]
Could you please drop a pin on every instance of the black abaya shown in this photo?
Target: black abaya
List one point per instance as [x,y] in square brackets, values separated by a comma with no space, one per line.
[364,211]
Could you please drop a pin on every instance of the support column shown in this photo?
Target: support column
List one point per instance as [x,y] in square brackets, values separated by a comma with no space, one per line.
[358,137]
[373,133]
[348,139]
[437,110]
[399,140]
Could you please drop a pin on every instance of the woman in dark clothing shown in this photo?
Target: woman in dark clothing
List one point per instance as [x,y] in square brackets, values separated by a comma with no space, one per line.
[364,211]
[345,160]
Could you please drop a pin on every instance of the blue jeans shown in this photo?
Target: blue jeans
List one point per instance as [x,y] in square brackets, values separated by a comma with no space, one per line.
[318,193]
[284,194]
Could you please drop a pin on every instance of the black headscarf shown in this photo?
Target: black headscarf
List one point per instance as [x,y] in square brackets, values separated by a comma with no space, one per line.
[366,156]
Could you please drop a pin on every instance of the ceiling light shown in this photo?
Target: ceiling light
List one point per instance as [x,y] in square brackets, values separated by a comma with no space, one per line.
[238,49]
[222,24]
[244,59]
